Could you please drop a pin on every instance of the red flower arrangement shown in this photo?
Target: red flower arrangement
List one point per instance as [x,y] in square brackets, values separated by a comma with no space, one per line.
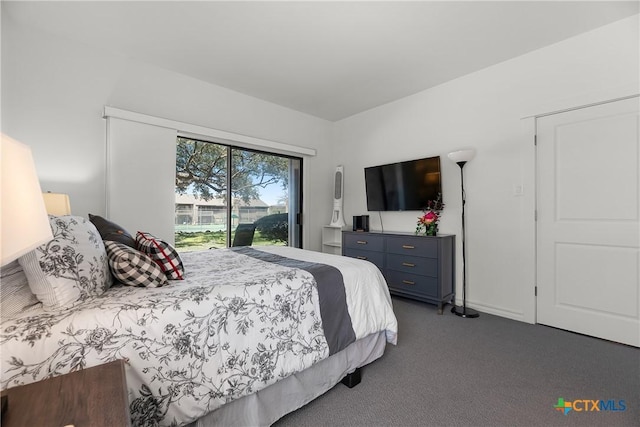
[428,222]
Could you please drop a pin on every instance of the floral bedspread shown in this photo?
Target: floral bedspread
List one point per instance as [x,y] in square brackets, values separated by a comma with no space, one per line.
[235,325]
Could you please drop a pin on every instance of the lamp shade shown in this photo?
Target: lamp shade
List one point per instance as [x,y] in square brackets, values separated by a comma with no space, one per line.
[462,155]
[57,204]
[24,222]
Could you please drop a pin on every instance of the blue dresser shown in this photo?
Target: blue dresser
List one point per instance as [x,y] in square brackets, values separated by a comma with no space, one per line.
[417,267]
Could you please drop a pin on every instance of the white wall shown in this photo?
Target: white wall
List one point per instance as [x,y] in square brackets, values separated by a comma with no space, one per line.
[54,91]
[485,110]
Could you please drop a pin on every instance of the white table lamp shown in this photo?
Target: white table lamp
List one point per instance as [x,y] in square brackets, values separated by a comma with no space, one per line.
[24,221]
[57,203]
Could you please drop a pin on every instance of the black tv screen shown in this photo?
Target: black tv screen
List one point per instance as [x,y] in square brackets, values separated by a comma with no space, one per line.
[404,186]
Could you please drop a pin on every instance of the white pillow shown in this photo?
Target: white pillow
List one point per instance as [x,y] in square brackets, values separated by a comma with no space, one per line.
[15,295]
[71,268]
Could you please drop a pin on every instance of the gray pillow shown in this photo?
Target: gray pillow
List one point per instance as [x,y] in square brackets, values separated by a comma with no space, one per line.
[71,268]
[111,231]
[15,295]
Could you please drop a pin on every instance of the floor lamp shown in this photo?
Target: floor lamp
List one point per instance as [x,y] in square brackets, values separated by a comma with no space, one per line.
[461,158]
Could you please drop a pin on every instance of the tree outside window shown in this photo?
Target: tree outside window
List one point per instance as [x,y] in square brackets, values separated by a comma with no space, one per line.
[258,194]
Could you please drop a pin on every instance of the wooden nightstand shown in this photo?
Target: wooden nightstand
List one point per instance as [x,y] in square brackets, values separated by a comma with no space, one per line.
[91,397]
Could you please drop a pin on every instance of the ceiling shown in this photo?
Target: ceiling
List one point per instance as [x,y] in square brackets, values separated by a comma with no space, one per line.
[328,59]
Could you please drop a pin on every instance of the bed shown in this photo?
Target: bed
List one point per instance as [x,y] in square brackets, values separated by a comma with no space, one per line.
[247,336]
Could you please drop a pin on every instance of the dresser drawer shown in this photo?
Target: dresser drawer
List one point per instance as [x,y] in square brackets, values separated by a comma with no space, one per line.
[375,257]
[364,241]
[412,283]
[413,264]
[413,245]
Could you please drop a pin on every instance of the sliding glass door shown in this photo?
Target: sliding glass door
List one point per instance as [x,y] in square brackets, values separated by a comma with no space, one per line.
[230,196]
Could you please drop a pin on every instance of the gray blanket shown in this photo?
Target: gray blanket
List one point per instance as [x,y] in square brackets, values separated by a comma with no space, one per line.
[336,320]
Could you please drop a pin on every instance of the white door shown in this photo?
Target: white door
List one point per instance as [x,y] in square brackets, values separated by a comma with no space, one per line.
[588,208]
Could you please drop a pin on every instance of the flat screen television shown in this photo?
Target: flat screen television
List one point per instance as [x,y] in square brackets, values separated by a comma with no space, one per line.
[403,186]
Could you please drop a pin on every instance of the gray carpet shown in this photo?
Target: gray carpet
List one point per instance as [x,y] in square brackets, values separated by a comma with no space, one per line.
[489,371]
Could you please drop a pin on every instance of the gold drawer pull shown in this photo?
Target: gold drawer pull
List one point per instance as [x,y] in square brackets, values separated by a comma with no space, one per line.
[408,264]
[361,242]
[361,257]
[408,247]
[408,282]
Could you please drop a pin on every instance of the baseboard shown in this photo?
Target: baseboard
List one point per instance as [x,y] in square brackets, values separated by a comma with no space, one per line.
[497,311]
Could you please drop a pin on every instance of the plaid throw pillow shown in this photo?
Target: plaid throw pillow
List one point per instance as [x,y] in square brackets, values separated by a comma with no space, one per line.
[132,267]
[162,253]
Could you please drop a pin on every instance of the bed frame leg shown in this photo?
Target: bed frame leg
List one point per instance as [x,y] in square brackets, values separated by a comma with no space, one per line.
[352,379]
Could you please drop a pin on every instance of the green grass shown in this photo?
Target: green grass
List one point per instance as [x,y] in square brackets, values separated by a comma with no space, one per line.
[194,241]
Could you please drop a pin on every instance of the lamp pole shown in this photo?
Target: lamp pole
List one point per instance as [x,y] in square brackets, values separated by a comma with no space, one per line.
[461,158]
